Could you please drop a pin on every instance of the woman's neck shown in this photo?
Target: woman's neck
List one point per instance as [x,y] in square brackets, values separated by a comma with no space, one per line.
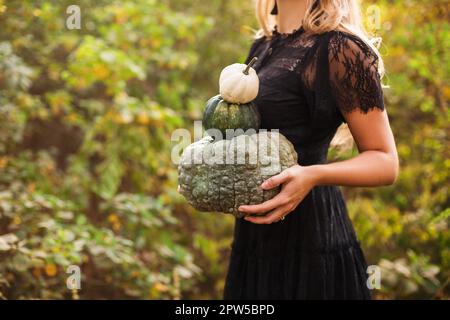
[290,15]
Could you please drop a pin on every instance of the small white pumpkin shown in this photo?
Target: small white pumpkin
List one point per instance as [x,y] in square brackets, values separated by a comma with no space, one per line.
[239,83]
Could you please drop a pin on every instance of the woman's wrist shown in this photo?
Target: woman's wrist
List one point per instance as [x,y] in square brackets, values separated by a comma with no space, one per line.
[316,173]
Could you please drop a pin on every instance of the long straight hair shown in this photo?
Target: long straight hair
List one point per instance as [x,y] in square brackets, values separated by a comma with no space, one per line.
[322,16]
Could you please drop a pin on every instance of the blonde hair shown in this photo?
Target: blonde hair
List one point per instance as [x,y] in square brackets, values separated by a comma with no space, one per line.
[322,16]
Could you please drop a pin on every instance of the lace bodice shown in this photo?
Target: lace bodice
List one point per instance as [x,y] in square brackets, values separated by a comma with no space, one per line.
[308,82]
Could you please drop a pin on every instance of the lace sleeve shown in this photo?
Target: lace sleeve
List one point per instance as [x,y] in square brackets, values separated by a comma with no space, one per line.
[354,79]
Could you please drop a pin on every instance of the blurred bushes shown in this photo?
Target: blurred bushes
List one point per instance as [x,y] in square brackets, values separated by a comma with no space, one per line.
[404,227]
[85,171]
[86,120]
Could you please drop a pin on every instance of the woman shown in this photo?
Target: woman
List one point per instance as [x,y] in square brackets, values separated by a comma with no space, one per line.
[317,69]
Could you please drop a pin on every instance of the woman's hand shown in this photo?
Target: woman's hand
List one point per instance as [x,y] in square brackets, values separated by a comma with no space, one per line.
[296,182]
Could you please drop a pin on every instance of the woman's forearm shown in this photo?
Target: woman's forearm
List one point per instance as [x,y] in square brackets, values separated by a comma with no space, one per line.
[368,169]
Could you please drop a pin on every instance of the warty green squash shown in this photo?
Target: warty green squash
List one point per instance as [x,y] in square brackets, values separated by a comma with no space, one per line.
[221,175]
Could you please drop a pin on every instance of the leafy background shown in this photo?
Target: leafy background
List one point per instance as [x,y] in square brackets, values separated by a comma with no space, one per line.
[85,170]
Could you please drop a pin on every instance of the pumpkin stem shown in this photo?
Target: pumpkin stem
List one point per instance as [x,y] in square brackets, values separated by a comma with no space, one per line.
[252,62]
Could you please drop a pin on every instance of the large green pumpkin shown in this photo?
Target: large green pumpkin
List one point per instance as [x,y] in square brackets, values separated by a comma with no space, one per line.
[224,174]
[222,115]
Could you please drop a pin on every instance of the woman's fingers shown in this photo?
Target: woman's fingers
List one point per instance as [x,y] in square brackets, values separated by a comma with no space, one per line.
[271,217]
[264,207]
[275,181]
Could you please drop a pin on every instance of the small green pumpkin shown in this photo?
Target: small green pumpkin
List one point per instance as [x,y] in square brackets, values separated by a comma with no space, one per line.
[222,115]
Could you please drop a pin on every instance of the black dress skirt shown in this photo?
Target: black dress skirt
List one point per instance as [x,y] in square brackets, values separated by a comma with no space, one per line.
[307,83]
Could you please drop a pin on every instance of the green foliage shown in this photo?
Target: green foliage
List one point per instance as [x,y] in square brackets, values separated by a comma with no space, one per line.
[404,227]
[84,168]
[85,171]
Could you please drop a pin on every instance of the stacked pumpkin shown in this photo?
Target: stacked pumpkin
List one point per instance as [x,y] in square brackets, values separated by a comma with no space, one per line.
[222,173]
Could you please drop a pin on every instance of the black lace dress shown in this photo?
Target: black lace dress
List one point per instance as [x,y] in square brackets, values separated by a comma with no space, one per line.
[307,83]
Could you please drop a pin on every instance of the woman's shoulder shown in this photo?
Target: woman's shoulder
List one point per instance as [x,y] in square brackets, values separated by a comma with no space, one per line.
[345,44]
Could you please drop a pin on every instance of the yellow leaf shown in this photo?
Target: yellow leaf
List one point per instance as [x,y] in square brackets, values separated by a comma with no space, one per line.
[114,221]
[3,162]
[161,287]
[112,218]
[116,226]
[80,83]
[446,92]
[51,270]
[16,220]
[155,42]
[31,187]
[143,118]
[101,71]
